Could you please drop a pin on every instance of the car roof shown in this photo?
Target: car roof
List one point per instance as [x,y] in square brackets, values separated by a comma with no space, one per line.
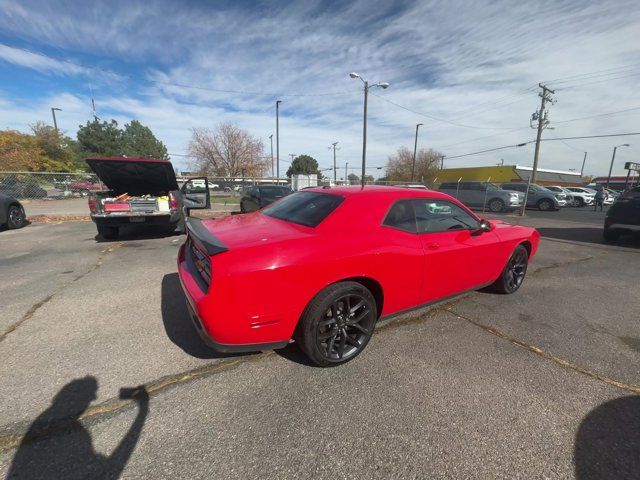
[377,191]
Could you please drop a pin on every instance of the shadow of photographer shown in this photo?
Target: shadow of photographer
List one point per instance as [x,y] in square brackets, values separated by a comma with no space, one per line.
[58,446]
[607,444]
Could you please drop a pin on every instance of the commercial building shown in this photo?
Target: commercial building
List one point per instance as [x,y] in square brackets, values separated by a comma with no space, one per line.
[509,173]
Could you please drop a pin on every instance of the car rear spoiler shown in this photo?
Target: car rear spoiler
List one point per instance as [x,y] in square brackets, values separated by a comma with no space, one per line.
[201,235]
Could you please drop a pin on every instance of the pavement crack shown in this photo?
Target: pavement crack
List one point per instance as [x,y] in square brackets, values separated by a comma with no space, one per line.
[12,436]
[562,264]
[36,306]
[547,355]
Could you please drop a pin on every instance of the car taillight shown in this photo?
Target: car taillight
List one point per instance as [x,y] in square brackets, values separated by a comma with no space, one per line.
[92,205]
[173,203]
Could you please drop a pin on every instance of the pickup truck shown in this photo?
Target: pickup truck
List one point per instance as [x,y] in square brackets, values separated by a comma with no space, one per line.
[142,191]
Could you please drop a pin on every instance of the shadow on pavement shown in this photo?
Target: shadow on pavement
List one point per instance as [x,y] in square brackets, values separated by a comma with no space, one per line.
[607,444]
[587,235]
[136,232]
[57,445]
[178,323]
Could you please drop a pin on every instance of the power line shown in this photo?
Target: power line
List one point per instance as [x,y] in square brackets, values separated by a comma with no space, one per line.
[597,115]
[437,119]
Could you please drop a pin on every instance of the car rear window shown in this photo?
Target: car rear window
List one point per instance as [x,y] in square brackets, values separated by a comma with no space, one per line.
[304,208]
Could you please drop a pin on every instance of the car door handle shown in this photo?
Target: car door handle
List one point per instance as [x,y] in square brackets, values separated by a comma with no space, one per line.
[433,246]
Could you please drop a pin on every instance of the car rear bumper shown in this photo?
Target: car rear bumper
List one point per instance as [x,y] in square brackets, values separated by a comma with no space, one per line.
[120,220]
[198,300]
[624,226]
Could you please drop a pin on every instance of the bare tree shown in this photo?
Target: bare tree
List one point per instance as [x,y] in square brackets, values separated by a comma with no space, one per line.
[400,164]
[228,151]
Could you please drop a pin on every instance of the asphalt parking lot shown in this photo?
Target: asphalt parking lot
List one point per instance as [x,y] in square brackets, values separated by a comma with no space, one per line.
[540,384]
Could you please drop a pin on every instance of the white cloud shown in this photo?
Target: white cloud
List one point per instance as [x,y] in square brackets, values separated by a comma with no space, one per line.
[469,62]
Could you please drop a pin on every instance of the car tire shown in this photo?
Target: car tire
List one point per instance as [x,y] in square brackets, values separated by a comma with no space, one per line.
[84,192]
[545,205]
[242,207]
[496,205]
[327,333]
[514,272]
[16,217]
[579,202]
[610,235]
[108,233]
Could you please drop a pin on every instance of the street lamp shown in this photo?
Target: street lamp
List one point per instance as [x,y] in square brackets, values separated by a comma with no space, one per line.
[278,102]
[53,112]
[333,145]
[613,157]
[415,147]
[272,169]
[364,125]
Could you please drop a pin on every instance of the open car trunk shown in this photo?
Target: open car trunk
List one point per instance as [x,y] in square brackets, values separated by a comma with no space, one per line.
[137,186]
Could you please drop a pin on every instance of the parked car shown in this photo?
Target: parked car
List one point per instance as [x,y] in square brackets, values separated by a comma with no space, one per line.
[581,196]
[259,196]
[538,197]
[483,194]
[84,186]
[20,189]
[623,216]
[142,191]
[324,265]
[11,212]
[561,193]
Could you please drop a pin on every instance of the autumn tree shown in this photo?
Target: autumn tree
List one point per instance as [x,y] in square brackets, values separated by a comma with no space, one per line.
[19,152]
[228,151]
[61,152]
[400,165]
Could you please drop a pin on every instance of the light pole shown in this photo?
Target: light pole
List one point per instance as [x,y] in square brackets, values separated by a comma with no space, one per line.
[335,174]
[415,147]
[364,125]
[278,102]
[613,157]
[271,140]
[53,112]
[584,160]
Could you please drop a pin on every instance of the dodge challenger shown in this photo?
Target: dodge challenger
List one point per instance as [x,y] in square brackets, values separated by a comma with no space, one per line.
[323,265]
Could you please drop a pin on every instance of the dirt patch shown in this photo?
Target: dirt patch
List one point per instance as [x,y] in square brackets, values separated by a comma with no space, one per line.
[58,218]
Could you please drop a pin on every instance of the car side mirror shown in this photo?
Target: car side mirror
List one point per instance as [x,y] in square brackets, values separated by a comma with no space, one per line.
[483,226]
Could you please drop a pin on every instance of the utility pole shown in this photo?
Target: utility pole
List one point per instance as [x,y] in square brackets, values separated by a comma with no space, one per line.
[272,166]
[335,173]
[584,160]
[543,122]
[55,123]
[364,130]
[415,148]
[346,167]
[292,155]
[442,162]
[278,140]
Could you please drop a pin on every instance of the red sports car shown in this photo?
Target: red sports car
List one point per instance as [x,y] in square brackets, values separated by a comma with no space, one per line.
[321,266]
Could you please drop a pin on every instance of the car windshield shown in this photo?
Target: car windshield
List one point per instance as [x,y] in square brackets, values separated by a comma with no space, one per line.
[274,191]
[491,186]
[304,208]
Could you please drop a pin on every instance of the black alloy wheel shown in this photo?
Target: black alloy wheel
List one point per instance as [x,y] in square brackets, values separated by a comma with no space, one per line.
[514,271]
[338,324]
[16,217]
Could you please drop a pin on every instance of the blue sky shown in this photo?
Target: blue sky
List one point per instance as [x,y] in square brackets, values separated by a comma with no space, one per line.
[466,70]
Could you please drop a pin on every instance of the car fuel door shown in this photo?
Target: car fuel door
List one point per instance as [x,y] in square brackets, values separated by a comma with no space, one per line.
[195,193]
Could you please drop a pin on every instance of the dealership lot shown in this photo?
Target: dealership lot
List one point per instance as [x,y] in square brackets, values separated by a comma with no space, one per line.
[485,386]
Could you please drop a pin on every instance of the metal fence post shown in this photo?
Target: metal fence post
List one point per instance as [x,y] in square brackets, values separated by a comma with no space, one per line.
[458,187]
[486,190]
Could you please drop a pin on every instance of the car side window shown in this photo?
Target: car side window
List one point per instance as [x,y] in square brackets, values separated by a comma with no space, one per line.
[434,215]
[401,216]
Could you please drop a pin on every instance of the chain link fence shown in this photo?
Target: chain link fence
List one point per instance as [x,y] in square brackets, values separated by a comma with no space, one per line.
[45,185]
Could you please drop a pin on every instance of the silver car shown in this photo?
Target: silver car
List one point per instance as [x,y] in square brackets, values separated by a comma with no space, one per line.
[483,195]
